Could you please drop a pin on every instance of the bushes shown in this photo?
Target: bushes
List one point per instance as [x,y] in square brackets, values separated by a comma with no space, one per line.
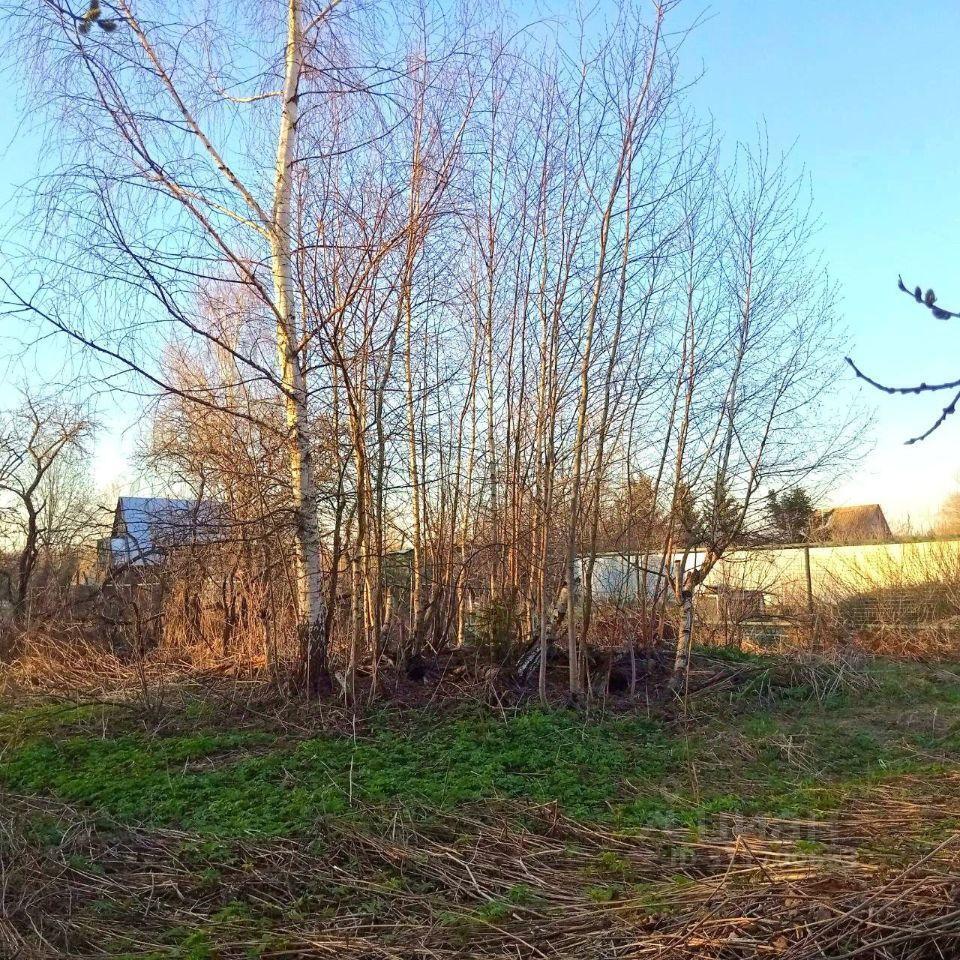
[496,629]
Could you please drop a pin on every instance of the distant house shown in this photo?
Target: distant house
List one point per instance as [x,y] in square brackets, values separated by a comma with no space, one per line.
[864,523]
[145,529]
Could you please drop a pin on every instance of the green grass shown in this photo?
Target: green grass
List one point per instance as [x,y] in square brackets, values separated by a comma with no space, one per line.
[768,748]
[787,756]
[435,764]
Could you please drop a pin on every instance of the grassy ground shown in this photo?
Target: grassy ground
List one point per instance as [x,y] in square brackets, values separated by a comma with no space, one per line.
[208,828]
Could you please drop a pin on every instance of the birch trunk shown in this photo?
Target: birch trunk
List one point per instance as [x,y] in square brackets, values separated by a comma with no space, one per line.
[310,605]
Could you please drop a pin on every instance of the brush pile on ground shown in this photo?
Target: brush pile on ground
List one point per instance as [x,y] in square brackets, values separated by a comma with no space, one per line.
[460,673]
[475,885]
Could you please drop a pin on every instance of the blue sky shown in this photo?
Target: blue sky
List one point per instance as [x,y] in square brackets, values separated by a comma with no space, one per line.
[863,94]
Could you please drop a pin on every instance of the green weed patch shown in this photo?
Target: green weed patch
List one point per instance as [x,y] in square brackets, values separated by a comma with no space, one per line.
[795,757]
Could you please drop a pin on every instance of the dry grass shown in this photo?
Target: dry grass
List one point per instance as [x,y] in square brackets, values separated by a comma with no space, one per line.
[483,886]
[877,878]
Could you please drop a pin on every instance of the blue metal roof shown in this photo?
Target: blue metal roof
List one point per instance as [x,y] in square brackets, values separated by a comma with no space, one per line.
[144,527]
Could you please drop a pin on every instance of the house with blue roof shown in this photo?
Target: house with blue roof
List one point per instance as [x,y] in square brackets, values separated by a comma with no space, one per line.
[146,529]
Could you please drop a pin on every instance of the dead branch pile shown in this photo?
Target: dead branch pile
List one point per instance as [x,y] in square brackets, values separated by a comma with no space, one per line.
[80,670]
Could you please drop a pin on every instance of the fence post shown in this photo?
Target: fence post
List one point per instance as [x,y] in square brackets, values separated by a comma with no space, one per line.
[810,613]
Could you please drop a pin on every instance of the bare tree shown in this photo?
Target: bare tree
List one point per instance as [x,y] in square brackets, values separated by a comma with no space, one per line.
[775,359]
[40,443]
[492,305]
[948,517]
[164,133]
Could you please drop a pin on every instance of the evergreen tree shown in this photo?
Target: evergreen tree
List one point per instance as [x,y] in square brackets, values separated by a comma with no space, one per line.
[791,515]
[686,518]
[719,520]
[629,518]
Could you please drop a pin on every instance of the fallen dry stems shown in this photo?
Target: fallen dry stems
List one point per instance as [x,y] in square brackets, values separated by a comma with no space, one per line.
[868,883]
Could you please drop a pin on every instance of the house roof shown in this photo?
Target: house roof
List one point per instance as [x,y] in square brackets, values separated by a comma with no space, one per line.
[862,522]
[143,527]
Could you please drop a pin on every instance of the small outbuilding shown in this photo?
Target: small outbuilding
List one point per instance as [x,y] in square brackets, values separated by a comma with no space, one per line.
[145,529]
